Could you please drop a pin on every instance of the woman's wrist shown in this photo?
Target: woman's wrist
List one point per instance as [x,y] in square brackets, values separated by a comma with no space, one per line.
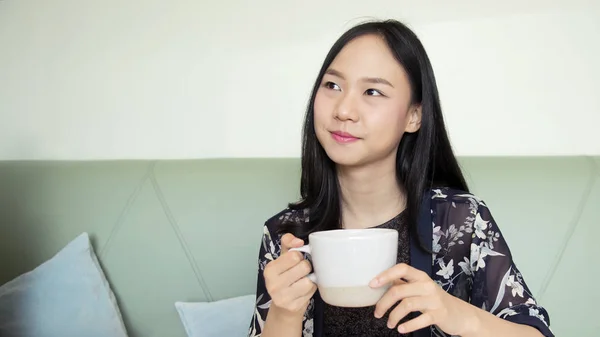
[282,323]
[474,325]
[284,315]
[481,323]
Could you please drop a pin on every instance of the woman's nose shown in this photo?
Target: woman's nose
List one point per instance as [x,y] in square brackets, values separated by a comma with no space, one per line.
[346,108]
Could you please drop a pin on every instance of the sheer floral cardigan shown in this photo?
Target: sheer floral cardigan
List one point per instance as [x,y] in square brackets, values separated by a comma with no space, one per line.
[471,261]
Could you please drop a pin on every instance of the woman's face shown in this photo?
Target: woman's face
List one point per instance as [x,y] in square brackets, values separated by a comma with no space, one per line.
[363,107]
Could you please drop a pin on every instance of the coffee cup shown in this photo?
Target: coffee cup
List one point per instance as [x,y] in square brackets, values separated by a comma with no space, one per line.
[346,260]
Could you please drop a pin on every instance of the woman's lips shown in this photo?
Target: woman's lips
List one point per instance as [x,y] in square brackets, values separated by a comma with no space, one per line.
[343,137]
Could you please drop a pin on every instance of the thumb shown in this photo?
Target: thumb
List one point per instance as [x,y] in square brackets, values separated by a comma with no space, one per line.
[290,241]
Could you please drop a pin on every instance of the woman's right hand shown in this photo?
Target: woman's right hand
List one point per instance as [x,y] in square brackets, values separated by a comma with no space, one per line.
[286,281]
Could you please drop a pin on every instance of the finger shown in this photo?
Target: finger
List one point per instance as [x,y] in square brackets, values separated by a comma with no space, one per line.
[303,287]
[399,271]
[422,321]
[399,281]
[296,273]
[301,301]
[290,241]
[397,293]
[282,264]
[408,305]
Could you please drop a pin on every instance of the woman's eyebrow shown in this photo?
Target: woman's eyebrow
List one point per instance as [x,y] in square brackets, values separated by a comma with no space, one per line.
[374,80]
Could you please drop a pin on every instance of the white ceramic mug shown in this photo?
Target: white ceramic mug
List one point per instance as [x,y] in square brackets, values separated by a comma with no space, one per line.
[346,260]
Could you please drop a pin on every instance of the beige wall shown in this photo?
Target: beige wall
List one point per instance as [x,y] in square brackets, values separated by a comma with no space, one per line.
[194,79]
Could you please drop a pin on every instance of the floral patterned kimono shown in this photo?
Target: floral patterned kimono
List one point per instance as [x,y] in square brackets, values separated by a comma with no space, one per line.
[471,261]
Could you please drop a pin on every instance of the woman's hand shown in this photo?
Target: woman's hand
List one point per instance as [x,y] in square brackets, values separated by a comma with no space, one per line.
[286,281]
[416,291]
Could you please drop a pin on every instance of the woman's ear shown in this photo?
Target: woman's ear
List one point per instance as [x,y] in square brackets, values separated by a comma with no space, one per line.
[414,119]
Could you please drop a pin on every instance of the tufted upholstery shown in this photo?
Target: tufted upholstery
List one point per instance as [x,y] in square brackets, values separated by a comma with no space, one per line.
[190,230]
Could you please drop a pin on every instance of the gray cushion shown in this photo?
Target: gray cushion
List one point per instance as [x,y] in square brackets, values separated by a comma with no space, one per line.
[67,295]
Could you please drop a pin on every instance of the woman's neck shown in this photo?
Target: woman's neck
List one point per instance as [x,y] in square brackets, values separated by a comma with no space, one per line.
[370,195]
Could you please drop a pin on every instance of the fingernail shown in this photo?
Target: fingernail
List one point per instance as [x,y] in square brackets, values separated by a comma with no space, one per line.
[401,329]
[374,283]
[296,241]
[377,315]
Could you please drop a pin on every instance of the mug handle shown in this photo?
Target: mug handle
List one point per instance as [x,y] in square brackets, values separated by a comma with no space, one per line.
[306,249]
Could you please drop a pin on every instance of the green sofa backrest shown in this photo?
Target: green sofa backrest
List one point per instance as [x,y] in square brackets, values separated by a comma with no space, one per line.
[190,230]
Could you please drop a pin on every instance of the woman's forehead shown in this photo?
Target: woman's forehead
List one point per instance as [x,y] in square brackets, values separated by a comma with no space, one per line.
[368,56]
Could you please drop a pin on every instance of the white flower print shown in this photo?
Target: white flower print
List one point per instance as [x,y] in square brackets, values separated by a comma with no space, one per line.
[472,198]
[536,313]
[476,260]
[269,257]
[517,288]
[268,248]
[492,237]
[437,234]
[465,266]
[446,270]
[438,194]
[478,254]
[437,231]
[308,328]
[506,312]
[480,226]
[255,331]
[453,235]
[268,240]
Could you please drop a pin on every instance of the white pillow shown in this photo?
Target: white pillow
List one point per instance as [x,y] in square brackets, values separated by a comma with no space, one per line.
[65,296]
[230,317]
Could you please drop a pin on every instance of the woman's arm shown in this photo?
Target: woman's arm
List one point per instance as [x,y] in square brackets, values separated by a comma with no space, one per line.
[283,292]
[504,304]
[414,291]
[477,291]
[488,325]
[269,250]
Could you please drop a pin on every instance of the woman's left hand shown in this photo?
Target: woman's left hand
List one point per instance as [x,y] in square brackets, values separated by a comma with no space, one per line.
[416,291]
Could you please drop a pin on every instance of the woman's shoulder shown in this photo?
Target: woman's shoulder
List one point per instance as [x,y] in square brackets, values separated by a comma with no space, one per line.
[451,197]
[276,224]
[451,206]
[286,216]
[272,232]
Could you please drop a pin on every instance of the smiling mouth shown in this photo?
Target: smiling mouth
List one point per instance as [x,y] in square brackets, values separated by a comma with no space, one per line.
[343,137]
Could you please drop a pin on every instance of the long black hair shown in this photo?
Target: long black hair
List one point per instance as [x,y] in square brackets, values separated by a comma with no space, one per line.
[424,159]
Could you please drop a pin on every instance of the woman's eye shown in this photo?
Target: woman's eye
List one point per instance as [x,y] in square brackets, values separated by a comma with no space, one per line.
[373,92]
[331,85]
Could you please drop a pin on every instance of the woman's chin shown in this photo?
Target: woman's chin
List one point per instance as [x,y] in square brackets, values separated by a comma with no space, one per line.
[345,157]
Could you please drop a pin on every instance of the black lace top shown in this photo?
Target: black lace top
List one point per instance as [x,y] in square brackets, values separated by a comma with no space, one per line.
[354,322]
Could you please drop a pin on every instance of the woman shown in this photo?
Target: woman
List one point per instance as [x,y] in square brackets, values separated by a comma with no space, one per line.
[376,154]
